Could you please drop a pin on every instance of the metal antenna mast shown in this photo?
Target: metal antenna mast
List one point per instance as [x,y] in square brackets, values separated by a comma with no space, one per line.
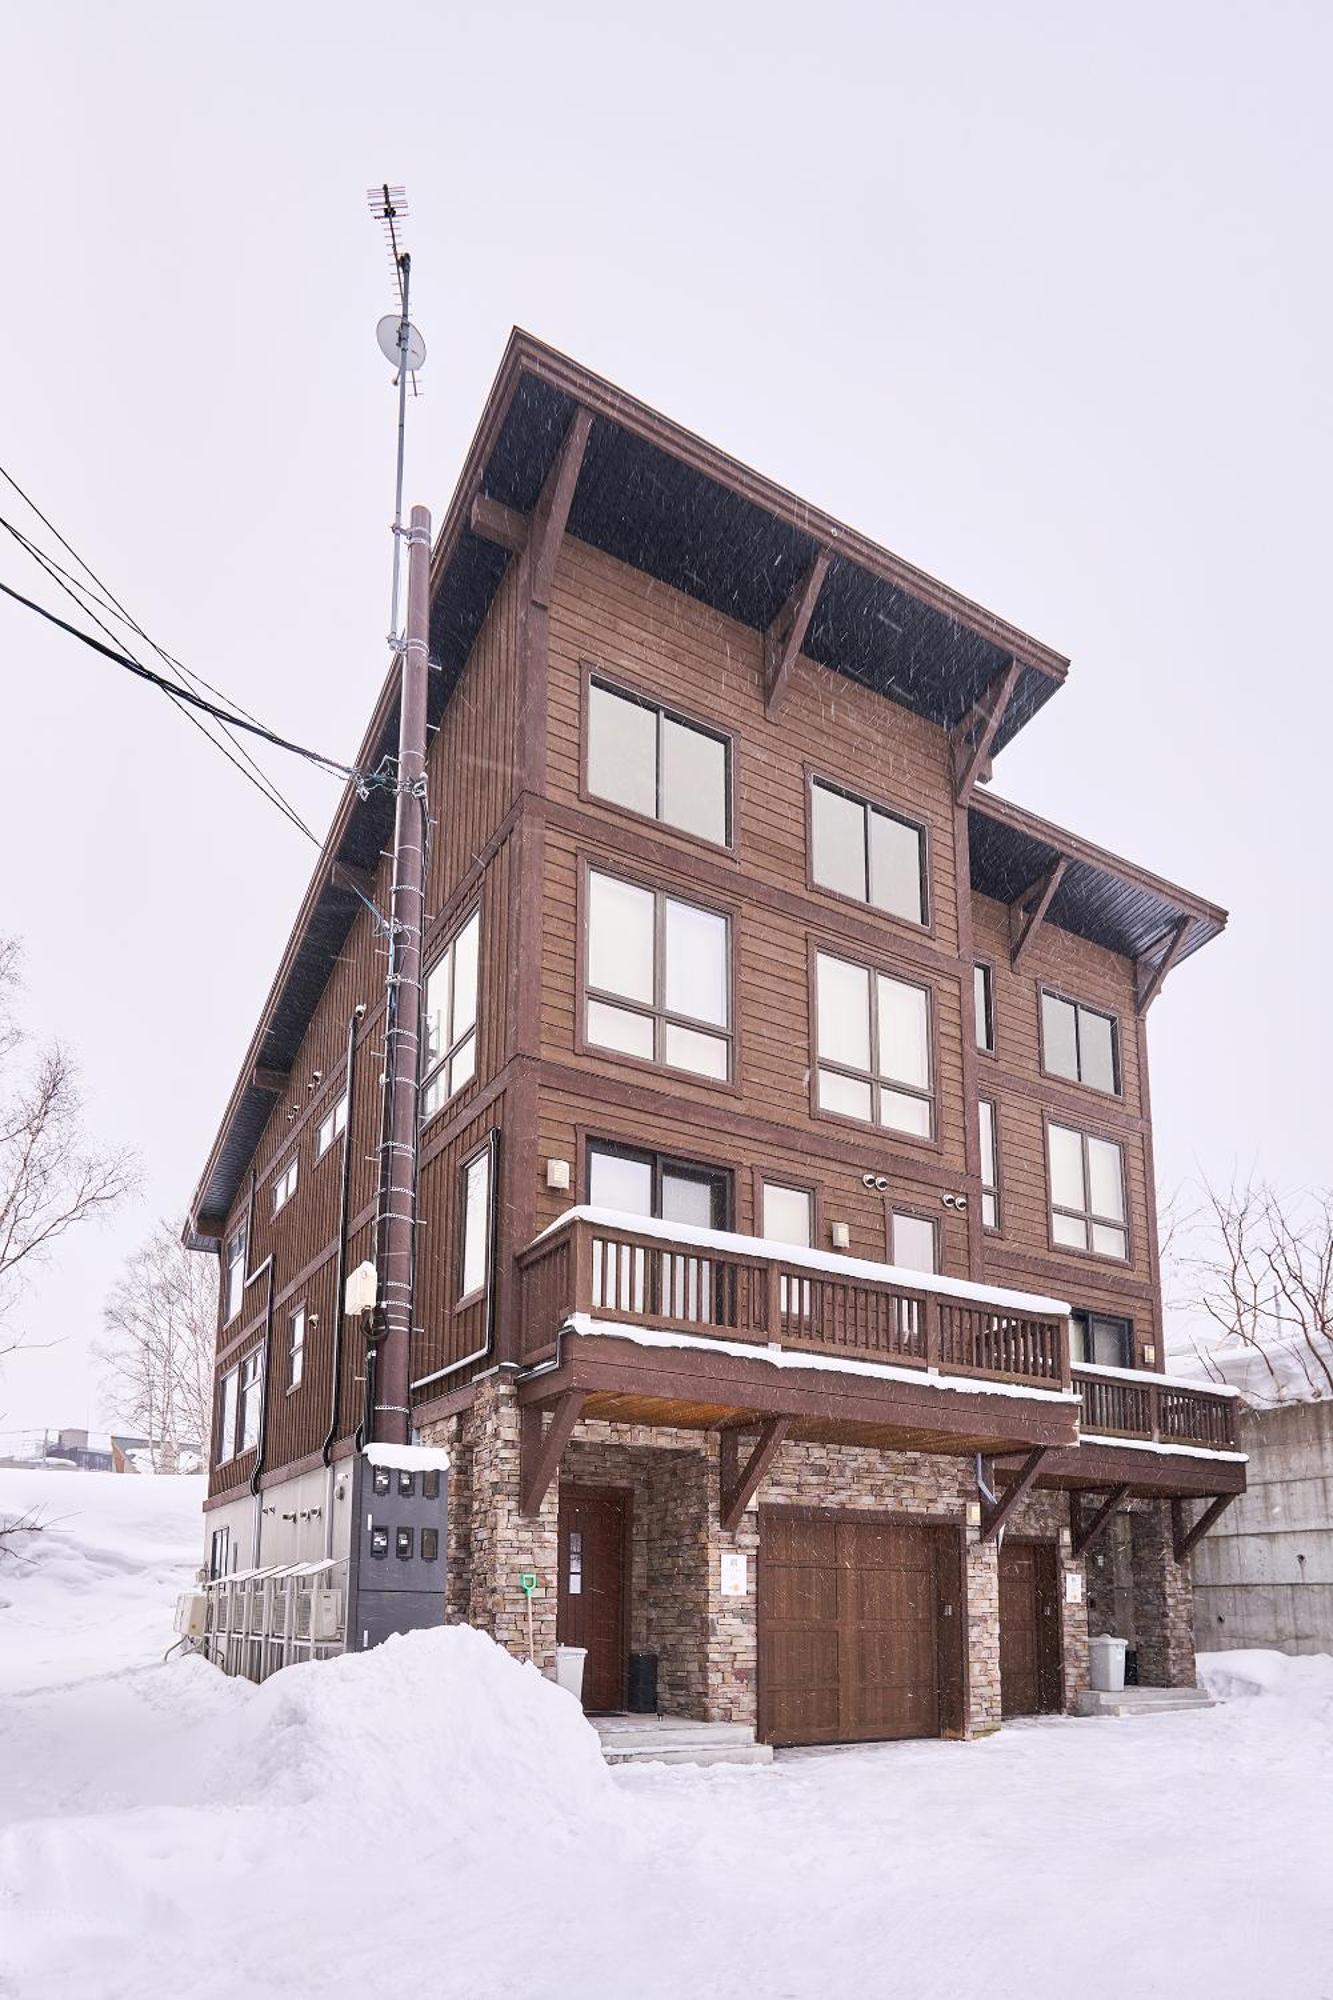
[402,344]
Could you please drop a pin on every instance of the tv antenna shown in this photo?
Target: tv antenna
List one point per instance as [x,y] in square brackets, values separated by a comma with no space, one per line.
[401,344]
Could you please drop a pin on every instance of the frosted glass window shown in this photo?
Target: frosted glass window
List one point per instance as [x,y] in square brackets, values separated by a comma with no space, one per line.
[1087,1192]
[296,1348]
[859,850]
[620,1183]
[450,1023]
[237,1245]
[788,1215]
[476,1255]
[658,978]
[227,1418]
[878,1030]
[658,764]
[990,1166]
[331,1127]
[252,1399]
[284,1184]
[1079,1043]
[913,1244]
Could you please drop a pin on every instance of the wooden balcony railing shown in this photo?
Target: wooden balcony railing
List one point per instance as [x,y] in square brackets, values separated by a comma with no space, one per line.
[742,1288]
[1156,1410]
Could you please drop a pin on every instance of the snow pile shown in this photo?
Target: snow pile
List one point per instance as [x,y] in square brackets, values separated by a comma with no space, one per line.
[95,1590]
[1305,1681]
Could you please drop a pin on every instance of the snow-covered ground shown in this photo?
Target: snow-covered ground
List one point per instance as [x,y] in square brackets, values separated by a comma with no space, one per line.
[435,1819]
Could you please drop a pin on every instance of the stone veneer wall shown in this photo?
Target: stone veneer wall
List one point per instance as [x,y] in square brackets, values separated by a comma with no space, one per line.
[1163,1601]
[707,1644]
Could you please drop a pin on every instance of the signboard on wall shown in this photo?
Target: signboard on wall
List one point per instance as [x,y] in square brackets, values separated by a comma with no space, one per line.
[735,1573]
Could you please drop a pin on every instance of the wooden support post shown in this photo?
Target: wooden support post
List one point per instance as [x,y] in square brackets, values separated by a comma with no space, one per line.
[551,514]
[1028,912]
[970,743]
[995,1517]
[738,1488]
[1081,1533]
[540,1452]
[786,635]
[1150,983]
[1184,1537]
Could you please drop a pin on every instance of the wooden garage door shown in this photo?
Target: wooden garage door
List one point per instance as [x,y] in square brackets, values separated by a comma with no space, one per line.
[1029,1629]
[856,1629]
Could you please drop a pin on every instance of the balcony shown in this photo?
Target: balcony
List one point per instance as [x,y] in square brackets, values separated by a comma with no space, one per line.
[1155,1409]
[643,1277]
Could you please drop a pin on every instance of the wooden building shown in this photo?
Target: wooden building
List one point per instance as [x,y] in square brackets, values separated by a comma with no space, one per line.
[787,1287]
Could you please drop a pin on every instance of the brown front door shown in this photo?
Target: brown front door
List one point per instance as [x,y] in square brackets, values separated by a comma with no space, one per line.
[590,1607]
[856,1629]
[1029,1629]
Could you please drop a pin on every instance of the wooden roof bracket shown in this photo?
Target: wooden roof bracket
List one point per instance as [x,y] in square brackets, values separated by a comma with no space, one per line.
[540,1452]
[786,635]
[737,1488]
[492,521]
[994,1517]
[271,1081]
[970,740]
[1081,1532]
[1184,1535]
[550,516]
[1028,911]
[1150,981]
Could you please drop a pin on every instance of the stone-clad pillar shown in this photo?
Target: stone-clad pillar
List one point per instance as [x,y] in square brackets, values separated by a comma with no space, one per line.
[1163,1602]
[983,1634]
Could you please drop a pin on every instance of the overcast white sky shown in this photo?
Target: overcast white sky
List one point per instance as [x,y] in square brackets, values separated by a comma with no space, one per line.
[1036,295]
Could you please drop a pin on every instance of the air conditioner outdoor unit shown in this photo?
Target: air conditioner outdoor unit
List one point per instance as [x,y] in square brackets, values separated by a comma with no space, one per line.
[192,1614]
[326,1615]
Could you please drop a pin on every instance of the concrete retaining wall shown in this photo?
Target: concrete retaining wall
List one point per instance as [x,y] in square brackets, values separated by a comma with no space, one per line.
[1264,1576]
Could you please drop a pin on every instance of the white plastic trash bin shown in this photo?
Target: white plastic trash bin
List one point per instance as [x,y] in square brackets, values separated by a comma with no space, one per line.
[569,1669]
[1106,1663]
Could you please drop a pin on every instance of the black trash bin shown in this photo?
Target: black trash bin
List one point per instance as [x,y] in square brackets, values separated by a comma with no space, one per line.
[643,1683]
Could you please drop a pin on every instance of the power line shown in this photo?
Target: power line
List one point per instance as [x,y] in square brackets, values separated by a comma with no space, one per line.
[180,694]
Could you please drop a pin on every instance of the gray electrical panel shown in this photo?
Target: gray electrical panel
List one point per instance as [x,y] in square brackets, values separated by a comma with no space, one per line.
[398,1555]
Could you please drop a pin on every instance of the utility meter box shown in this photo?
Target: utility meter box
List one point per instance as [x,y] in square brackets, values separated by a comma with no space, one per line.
[398,1559]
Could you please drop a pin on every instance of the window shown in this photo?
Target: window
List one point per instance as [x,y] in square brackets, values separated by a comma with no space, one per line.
[1087,1192]
[983,992]
[655,763]
[651,1184]
[237,1245]
[912,1244]
[788,1216]
[659,978]
[451,1018]
[252,1399]
[1079,1043]
[284,1185]
[860,850]
[296,1348]
[873,1047]
[475,1258]
[219,1553]
[990,1165]
[331,1127]
[1097,1338]
[227,1417]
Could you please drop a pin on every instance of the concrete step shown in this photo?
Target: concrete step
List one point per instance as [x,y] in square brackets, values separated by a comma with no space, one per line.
[698,1753]
[1140,1701]
[672,1739]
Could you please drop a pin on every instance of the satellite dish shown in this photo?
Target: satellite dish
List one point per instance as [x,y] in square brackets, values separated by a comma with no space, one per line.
[387,335]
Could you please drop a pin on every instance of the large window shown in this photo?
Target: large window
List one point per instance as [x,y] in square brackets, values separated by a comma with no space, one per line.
[653,1184]
[655,763]
[873,1047]
[284,1184]
[451,1019]
[1098,1338]
[252,1399]
[983,991]
[658,978]
[475,1235]
[1087,1192]
[1079,1043]
[331,1126]
[860,850]
[990,1165]
[234,1259]
[227,1416]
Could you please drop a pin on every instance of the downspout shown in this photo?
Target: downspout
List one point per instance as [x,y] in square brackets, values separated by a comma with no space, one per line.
[340,1278]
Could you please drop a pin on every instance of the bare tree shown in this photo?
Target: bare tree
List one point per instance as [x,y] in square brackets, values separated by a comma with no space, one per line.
[1259,1270]
[161,1322]
[51,1179]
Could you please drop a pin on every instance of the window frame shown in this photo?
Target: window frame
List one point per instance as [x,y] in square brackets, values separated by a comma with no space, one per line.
[892,1210]
[798,1183]
[1129,1350]
[226,1446]
[486,1152]
[870,803]
[986,968]
[660,1163]
[661,893]
[875,967]
[1045,993]
[626,689]
[240,1234]
[1116,1139]
[288,1177]
[255,1354]
[444,1060]
[295,1349]
[338,1107]
[995,1228]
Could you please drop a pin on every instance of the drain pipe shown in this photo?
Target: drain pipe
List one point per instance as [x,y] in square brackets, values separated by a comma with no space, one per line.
[340,1277]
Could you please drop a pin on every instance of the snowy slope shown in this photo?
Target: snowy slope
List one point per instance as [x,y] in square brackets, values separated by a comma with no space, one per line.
[434,1819]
